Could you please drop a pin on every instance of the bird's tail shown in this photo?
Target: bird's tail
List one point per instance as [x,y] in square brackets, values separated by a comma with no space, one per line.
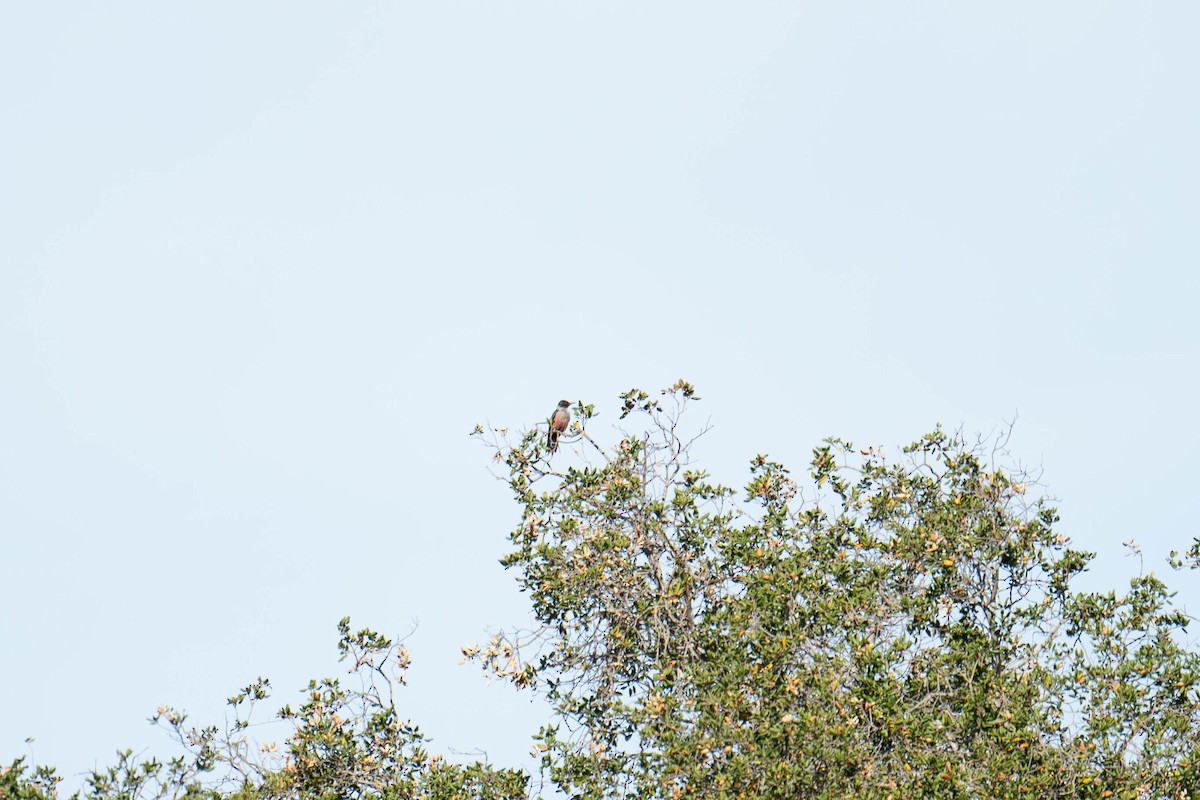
[552,439]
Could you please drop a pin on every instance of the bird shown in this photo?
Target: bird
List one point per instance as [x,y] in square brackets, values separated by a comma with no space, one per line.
[559,421]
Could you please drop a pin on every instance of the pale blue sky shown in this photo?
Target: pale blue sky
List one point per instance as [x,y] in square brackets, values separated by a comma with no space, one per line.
[264,265]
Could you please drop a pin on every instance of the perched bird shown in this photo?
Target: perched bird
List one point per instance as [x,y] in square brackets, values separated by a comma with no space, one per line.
[559,421]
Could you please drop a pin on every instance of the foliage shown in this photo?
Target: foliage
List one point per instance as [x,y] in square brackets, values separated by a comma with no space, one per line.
[889,628]
[899,628]
[18,782]
[345,743]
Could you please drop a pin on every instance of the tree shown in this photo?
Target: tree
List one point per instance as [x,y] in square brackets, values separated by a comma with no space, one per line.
[888,628]
[344,743]
[898,628]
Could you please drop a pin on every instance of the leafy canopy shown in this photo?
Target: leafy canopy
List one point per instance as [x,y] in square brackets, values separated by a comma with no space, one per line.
[894,628]
[887,628]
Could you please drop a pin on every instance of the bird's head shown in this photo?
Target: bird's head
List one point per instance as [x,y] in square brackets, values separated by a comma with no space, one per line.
[564,403]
